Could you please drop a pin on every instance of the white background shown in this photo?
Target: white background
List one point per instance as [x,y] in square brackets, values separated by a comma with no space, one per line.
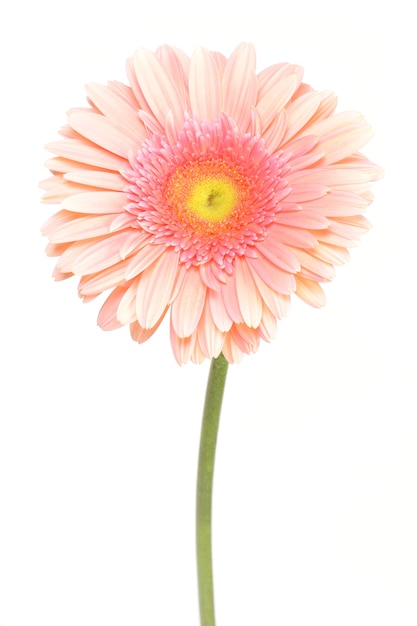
[315,490]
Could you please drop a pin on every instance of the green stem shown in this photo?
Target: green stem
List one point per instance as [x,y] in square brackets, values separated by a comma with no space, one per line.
[209,428]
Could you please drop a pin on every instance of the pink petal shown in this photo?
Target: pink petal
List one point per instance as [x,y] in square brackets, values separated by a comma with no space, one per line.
[107,318]
[116,108]
[104,132]
[279,280]
[218,310]
[97,178]
[187,307]
[210,338]
[239,85]
[83,151]
[143,258]
[97,202]
[205,86]
[310,292]
[158,87]
[250,303]
[155,288]
[275,99]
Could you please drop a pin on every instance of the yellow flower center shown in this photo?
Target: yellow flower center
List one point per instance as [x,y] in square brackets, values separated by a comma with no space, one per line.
[206,193]
[213,199]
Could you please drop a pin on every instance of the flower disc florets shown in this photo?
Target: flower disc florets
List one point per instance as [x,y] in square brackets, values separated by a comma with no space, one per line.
[211,195]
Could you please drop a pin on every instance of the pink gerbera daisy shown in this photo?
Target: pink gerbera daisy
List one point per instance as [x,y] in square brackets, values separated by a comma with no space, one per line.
[208,192]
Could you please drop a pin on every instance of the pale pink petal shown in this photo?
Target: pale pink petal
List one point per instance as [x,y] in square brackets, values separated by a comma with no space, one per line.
[57,189]
[174,64]
[104,132]
[275,99]
[268,326]
[278,253]
[250,302]
[187,307]
[97,178]
[96,202]
[210,338]
[275,132]
[231,302]
[157,86]
[300,111]
[205,86]
[83,151]
[107,318]
[294,236]
[182,347]
[231,352]
[303,192]
[313,267]
[143,258]
[94,284]
[239,85]
[218,310]
[305,218]
[276,278]
[117,108]
[278,303]
[65,227]
[338,204]
[340,145]
[155,288]
[310,292]
[140,334]
[87,257]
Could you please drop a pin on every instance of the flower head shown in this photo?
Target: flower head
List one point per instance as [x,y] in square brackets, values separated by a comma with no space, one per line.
[207,192]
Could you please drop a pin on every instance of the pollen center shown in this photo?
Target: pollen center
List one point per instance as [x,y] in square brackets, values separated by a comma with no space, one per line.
[213,199]
[207,194]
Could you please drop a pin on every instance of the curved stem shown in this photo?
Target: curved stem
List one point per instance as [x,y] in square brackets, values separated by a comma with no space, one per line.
[209,428]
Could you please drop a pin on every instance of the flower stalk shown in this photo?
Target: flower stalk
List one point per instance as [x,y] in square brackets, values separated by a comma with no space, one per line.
[209,429]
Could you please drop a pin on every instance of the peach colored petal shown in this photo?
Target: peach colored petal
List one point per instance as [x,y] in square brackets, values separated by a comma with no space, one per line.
[187,307]
[239,85]
[154,290]
[140,334]
[66,227]
[210,338]
[96,202]
[275,99]
[96,178]
[157,86]
[83,151]
[278,303]
[142,259]
[219,314]
[107,318]
[311,292]
[182,347]
[57,189]
[268,326]
[103,131]
[126,309]
[97,283]
[205,86]
[114,107]
[299,113]
[250,302]
[277,252]
[276,278]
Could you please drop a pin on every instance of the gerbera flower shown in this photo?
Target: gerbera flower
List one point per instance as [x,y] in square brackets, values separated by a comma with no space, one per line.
[207,192]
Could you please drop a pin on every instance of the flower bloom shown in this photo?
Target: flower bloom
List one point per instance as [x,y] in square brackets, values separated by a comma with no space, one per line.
[208,192]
